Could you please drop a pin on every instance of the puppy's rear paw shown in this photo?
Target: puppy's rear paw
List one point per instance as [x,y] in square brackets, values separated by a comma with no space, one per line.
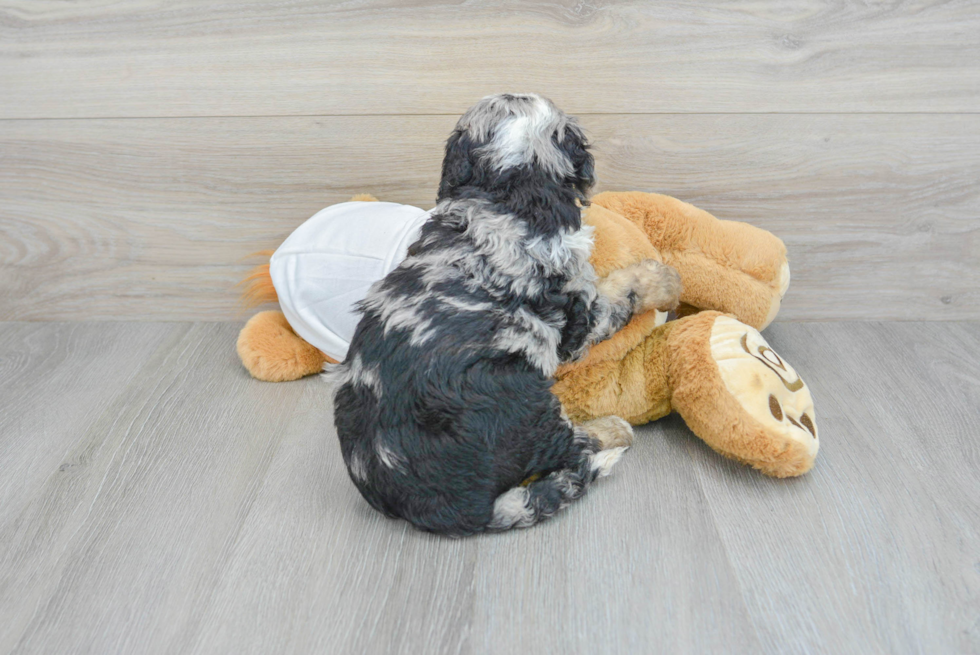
[610,431]
[658,285]
[604,460]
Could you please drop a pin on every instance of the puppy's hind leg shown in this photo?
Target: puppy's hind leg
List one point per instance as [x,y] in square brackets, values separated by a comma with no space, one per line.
[610,432]
[524,506]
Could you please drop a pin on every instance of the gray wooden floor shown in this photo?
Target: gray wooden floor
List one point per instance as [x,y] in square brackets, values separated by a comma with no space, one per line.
[153,498]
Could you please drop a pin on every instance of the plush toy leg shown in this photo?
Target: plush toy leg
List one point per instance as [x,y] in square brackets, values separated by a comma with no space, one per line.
[728,266]
[624,376]
[719,374]
[739,396]
[272,352]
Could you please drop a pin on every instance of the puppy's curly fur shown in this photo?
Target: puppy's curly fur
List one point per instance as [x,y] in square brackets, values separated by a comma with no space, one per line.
[443,405]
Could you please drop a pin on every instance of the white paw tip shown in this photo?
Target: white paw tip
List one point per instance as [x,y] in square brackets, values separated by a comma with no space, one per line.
[604,460]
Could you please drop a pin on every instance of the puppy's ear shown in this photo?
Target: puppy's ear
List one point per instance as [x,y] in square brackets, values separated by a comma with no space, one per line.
[576,147]
[457,165]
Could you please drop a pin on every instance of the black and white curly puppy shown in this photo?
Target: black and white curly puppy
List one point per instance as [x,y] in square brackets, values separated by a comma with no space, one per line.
[443,405]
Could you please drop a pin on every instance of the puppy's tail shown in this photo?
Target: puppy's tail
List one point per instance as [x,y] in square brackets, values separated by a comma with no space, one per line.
[524,506]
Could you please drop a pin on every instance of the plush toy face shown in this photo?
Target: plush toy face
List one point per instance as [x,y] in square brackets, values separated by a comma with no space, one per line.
[767,387]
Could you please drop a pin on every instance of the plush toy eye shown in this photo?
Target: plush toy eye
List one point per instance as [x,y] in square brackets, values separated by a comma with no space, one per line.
[774,407]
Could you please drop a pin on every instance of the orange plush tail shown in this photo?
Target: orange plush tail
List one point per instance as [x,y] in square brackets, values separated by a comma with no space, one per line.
[257,285]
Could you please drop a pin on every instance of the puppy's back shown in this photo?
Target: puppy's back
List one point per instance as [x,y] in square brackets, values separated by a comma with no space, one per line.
[443,405]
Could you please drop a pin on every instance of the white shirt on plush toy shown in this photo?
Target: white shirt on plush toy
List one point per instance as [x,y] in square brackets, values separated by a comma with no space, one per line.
[327,265]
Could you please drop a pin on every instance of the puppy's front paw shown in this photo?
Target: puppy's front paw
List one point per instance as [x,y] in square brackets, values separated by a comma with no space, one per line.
[657,285]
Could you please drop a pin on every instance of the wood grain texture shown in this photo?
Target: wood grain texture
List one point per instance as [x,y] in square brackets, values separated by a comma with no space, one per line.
[150,218]
[154,58]
[40,363]
[188,508]
[137,516]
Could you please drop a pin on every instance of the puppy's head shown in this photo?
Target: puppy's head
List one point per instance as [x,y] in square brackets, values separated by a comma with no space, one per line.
[506,136]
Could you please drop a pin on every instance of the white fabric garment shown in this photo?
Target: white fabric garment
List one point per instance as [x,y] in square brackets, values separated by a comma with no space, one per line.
[327,265]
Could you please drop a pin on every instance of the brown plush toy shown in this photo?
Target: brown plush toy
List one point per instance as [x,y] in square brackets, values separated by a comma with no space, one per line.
[711,365]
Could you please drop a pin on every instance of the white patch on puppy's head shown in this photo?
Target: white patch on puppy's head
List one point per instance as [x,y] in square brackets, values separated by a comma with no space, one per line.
[519,129]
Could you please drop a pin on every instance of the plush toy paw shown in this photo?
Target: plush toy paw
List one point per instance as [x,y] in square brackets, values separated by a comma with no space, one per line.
[742,398]
[271,351]
[610,431]
[750,369]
